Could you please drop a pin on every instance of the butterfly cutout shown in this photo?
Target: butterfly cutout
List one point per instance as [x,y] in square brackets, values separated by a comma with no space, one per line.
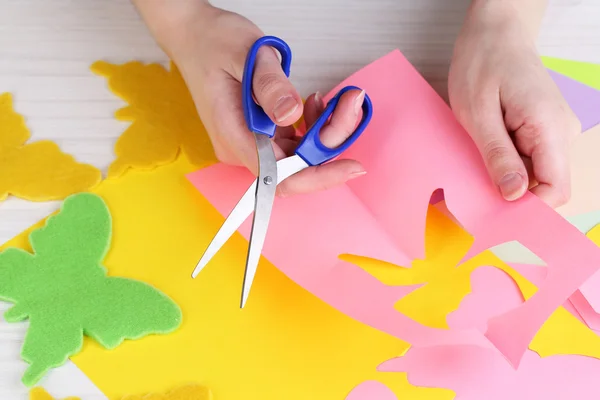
[64,291]
[37,171]
[163,115]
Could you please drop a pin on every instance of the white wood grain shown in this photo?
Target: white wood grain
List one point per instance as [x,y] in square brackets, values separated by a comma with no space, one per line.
[46,48]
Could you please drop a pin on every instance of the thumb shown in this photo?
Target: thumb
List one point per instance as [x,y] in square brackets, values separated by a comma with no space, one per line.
[273,90]
[504,165]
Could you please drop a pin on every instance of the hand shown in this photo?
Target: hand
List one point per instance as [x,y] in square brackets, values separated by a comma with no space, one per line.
[210,45]
[503,96]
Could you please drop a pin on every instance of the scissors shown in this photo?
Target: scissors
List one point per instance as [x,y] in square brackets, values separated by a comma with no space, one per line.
[260,196]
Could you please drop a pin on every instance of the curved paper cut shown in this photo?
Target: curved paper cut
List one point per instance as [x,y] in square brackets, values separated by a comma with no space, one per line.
[189,392]
[163,115]
[583,100]
[39,393]
[63,290]
[586,299]
[37,171]
[584,72]
[476,373]
[412,147]
[371,390]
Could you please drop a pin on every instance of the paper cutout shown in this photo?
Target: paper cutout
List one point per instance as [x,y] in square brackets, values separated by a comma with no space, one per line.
[586,73]
[588,304]
[371,390]
[39,393]
[477,373]
[583,100]
[37,171]
[64,292]
[190,392]
[412,129]
[163,115]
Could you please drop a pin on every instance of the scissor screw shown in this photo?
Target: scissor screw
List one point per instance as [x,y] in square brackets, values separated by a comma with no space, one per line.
[268,180]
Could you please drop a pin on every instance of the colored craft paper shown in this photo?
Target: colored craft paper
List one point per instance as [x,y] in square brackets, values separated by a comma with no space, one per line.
[162,113]
[190,392]
[586,73]
[477,373]
[412,147]
[284,344]
[583,100]
[587,301]
[371,390]
[39,393]
[64,292]
[37,171]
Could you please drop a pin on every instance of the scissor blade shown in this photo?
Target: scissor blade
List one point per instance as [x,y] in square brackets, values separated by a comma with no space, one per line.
[266,185]
[236,218]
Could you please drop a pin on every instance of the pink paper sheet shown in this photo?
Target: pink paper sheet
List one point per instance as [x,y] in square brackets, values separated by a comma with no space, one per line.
[475,373]
[412,147]
[371,390]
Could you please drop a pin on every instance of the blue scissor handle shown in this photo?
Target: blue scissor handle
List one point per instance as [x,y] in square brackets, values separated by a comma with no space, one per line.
[256,118]
[313,151]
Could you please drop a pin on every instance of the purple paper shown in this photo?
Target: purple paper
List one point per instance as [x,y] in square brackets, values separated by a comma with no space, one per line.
[583,100]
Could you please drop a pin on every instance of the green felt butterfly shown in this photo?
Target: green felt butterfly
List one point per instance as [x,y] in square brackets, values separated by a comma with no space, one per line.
[65,293]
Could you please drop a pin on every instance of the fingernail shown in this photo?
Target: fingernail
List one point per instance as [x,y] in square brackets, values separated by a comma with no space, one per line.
[511,186]
[319,100]
[357,174]
[284,107]
[358,102]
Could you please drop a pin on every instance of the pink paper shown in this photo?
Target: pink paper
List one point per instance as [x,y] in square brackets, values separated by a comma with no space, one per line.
[371,390]
[475,373]
[412,147]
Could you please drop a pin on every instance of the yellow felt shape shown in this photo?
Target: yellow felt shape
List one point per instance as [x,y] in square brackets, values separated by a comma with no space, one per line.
[37,171]
[286,344]
[446,284]
[190,392]
[39,393]
[163,117]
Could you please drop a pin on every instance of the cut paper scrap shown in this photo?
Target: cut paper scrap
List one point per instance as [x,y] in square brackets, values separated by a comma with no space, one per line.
[285,344]
[475,373]
[189,392]
[163,117]
[583,100]
[63,290]
[587,298]
[371,390]
[412,129]
[39,393]
[37,171]
[584,72]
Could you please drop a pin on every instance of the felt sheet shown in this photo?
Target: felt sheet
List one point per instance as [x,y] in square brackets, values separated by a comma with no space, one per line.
[189,392]
[586,73]
[164,120]
[476,373]
[39,393]
[583,100]
[412,129]
[63,290]
[37,171]
[285,344]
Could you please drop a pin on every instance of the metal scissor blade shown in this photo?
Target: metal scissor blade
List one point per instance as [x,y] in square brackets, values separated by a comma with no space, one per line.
[266,185]
[238,215]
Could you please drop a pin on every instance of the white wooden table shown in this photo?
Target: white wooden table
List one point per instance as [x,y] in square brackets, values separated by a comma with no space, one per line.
[46,48]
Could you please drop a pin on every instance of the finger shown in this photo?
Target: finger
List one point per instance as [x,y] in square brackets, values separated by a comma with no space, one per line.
[287,147]
[321,177]
[285,132]
[344,119]
[313,107]
[273,90]
[552,172]
[501,158]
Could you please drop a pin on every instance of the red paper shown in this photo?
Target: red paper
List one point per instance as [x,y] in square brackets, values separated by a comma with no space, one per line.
[412,147]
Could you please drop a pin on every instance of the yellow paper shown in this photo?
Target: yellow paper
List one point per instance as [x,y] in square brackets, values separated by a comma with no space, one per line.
[36,171]
[190,392]
[284,344]
[163,115]
[586,73]
[39,393]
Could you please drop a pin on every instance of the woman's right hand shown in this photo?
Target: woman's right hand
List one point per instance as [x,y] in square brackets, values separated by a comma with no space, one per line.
[209,45]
